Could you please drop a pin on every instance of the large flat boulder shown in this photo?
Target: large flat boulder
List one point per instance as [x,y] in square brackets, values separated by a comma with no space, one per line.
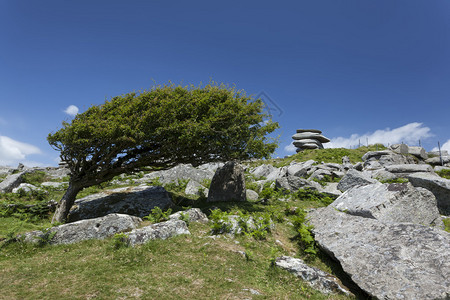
[391,203]
[97,228]
[163,230]
[294,183]
[439,186]
[10,182]
[300,169]
[386,260]
[409,168]
[136,201]
[179,172]
[379,159]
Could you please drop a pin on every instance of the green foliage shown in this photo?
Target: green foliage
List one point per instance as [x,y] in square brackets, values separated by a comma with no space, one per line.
[444,173]
[270,193]
[32,213]
[185,217]
[326,179]
[305,239]
[35,178]
[177,187]
[395,180]
[446,224]
[155,182]
[219,221]
[311,195]
[120,240]
[157,215]
[46,237]
[162,127]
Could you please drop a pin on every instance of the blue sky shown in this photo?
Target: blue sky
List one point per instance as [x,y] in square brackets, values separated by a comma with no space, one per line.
[357,70]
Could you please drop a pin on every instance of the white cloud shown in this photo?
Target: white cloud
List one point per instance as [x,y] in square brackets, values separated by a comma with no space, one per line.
[409,134]
[445,146]
[12,152]
[71,110]
[290,148]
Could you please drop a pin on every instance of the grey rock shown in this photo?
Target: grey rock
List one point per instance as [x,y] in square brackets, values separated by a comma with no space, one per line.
[391,203]
[57,173]
[418,152]
[385,158]
[97,228]
[408,168]
[305,142]
[358,166]
[440,168]
[388,261]
[251,195]
[262,170]
[316,278]
[228,184]
[437,160]
[26,187]
[399,148]
[309,130]
[310,146]
[137,201]
[439,186]
[300,169]
[55,185]
[354,178]
[331,189]
[345,160]
[4,171]
[294,183]
[195,215]
[211,168]
[382,174]
[10,182]
[310,135]
[437,153]
[179,172]
[319,174]
[277,173]
[163,230]
[193,188]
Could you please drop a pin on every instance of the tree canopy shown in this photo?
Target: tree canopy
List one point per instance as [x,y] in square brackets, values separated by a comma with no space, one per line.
[158,129]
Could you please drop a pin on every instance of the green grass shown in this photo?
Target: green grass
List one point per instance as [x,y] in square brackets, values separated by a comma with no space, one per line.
[444,174]
[184,267]
[330,155]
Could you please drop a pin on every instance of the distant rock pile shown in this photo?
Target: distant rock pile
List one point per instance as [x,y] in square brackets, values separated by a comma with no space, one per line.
[309,139]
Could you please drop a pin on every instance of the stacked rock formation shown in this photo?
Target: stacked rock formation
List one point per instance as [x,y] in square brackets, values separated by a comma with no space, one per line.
[309,139]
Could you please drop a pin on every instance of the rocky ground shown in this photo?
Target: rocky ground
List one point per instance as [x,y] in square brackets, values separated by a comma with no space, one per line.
[383,220]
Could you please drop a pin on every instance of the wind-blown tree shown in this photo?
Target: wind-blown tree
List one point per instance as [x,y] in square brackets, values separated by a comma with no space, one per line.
[158,129]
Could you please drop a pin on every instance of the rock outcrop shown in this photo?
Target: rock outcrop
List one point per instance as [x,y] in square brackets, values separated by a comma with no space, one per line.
[386,260]
[136,201]
[309,139]
[10,182]
[163,230]
[439,186]
[391,203]
[97,228]
[354,178]
[228,184]
[316,278]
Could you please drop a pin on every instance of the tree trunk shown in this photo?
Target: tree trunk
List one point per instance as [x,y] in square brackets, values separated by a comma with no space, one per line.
[66,202]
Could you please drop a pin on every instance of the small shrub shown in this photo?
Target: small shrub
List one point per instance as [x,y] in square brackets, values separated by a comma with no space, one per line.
[34,178]
[185,217]
[395,180]
[157,215]
[305,239]
[120,240]
[46,238]
[220,221]
[313,196]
